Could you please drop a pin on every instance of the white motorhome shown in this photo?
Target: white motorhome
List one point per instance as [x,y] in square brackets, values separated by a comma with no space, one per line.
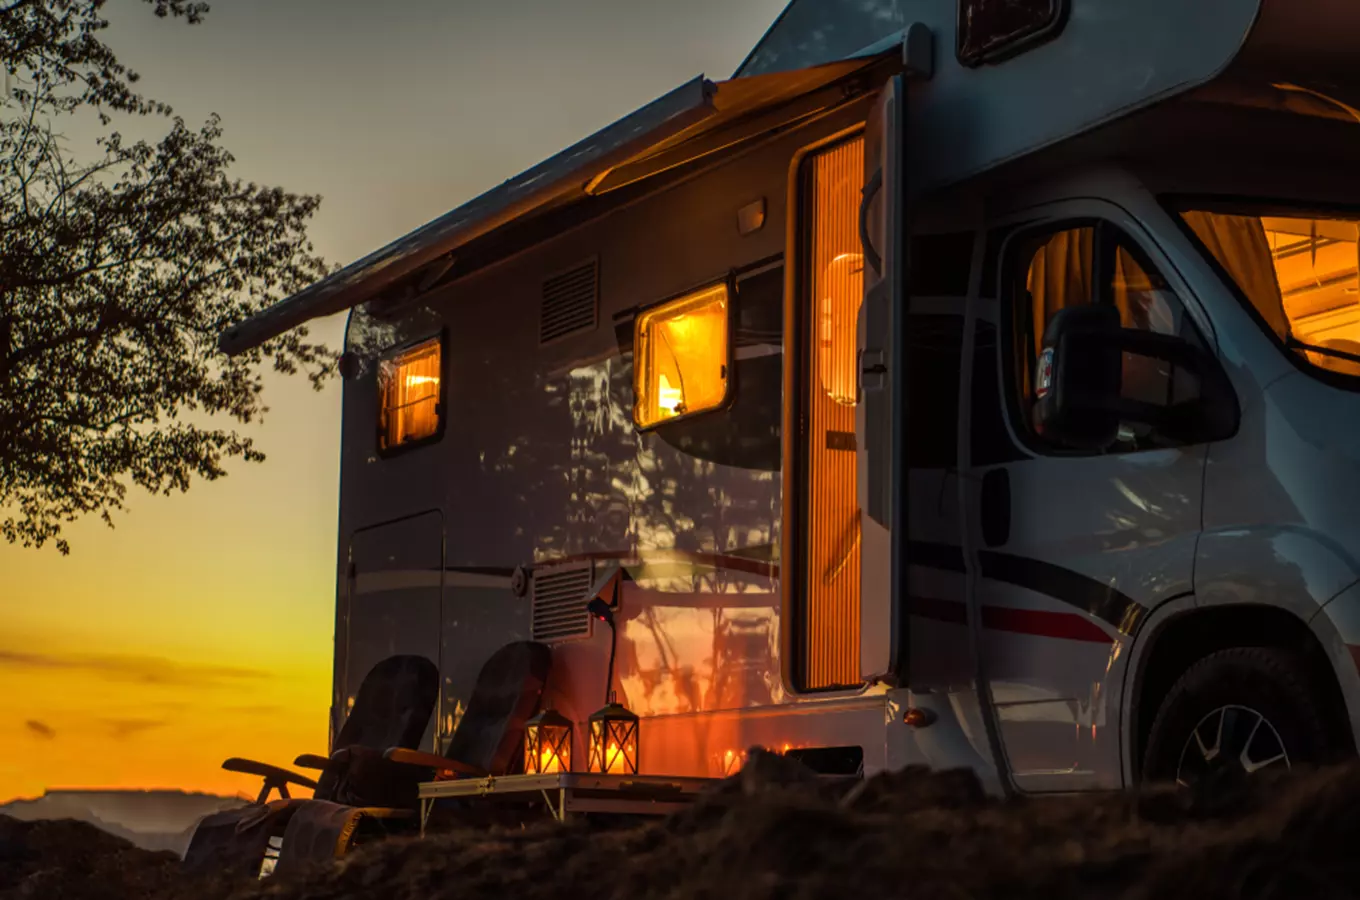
[964,382]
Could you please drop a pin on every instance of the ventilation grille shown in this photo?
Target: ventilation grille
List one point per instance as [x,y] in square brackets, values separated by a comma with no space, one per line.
[560,602]
[570,302]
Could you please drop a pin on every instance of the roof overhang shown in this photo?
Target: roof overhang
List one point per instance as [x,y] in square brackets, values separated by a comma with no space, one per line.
[695,120]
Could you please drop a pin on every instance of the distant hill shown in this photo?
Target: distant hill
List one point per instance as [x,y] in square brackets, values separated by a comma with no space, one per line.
[152,820]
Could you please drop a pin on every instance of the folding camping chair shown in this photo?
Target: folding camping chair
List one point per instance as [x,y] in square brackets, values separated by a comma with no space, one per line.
[485,742]
[392,708]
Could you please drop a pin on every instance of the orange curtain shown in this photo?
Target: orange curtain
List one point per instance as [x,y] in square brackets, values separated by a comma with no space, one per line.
[411,395]
[1060,276]
[681,365]
[1240,245]
[832,529]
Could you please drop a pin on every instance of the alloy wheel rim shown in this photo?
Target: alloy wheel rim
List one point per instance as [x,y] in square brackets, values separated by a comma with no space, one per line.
[1230,737]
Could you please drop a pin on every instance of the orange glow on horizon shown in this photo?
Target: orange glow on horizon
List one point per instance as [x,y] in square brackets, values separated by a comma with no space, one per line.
[202,627]
[199,628]
[150,724]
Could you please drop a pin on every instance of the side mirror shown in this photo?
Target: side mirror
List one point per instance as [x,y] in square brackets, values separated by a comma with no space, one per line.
[1084,392]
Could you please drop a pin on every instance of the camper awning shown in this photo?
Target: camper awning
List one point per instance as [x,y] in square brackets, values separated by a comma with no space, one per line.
[694,120]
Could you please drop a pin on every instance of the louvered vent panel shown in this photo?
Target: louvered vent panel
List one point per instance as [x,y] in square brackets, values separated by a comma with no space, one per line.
[560,603]
[570,302]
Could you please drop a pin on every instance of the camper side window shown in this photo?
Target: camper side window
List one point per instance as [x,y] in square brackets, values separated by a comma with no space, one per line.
[1080,265]
[409,408]
[681,357]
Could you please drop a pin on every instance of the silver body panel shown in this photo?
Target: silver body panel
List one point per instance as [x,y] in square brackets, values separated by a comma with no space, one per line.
[540,464]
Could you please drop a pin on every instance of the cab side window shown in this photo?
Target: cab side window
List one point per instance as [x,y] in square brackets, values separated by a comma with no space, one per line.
[1091,263]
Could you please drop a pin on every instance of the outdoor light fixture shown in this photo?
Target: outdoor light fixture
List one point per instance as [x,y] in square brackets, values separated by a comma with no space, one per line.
[751,217]
[613,740]
[613,730]
[547,743]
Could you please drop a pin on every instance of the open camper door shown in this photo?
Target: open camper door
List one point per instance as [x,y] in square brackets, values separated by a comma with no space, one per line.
[878,425]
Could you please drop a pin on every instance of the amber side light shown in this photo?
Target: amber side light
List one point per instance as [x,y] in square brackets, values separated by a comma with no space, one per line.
[409,386]
[836,289]
[680,357]
[918,718]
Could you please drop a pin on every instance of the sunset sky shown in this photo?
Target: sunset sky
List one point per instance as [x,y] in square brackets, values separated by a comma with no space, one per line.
[201,627]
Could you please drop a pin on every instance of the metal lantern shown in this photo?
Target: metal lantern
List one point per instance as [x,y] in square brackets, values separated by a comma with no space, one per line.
[613,740]
[547,743]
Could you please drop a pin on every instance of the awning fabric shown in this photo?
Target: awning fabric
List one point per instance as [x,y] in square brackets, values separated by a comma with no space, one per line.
[695,119]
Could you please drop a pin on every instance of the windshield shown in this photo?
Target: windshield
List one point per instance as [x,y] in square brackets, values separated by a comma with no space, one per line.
[1299,273]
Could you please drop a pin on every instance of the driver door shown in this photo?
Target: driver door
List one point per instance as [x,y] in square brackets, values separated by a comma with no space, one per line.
[1074,548]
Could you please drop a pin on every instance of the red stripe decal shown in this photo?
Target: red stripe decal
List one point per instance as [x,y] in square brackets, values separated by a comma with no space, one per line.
[1065,626]
[1040,623]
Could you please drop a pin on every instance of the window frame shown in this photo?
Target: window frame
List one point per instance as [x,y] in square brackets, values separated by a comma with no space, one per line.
[728,282]
[440,338]
[1014,44]
[1108,236]
[1175,204]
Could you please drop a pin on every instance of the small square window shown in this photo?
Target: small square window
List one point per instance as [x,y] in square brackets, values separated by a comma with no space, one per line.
[408,384]
[680,357]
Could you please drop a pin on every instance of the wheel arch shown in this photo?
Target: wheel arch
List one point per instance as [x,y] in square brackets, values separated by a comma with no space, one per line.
[1180,633]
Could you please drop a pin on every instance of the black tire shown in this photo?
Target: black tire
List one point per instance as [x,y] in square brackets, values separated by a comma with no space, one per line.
[1272,683]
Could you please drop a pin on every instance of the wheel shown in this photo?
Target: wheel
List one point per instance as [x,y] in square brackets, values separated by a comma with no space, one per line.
[1234,713]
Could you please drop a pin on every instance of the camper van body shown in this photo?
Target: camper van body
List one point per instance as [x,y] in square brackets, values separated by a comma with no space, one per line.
[885,567]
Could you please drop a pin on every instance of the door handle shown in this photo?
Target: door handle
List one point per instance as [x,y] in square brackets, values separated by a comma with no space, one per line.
[996,507]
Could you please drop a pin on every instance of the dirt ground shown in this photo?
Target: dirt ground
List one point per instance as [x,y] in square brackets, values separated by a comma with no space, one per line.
[773,831]
[56,860]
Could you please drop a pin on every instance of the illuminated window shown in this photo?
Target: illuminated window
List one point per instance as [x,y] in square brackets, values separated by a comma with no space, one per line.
[835,291]
[681,357]
[408,384]
[1300,275]
[841,284]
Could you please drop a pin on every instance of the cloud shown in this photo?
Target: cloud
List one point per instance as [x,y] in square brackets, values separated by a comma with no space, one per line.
[142,669]
[121,729]
[40,729]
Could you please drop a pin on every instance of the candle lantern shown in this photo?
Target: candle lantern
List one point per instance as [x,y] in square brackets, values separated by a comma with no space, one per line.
[613,730]
[547,743]
[613,740]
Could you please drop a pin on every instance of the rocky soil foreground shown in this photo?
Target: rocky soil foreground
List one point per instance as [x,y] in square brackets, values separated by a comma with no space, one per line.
[774,832]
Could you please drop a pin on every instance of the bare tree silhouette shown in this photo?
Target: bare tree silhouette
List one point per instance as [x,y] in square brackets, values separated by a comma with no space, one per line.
[118,270]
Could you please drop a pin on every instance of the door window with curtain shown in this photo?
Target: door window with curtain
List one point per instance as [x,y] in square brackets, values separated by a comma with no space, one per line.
[833,292]
[1089,263]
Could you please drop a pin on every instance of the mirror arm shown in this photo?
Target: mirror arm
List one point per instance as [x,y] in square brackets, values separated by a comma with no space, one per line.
[1164,347]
